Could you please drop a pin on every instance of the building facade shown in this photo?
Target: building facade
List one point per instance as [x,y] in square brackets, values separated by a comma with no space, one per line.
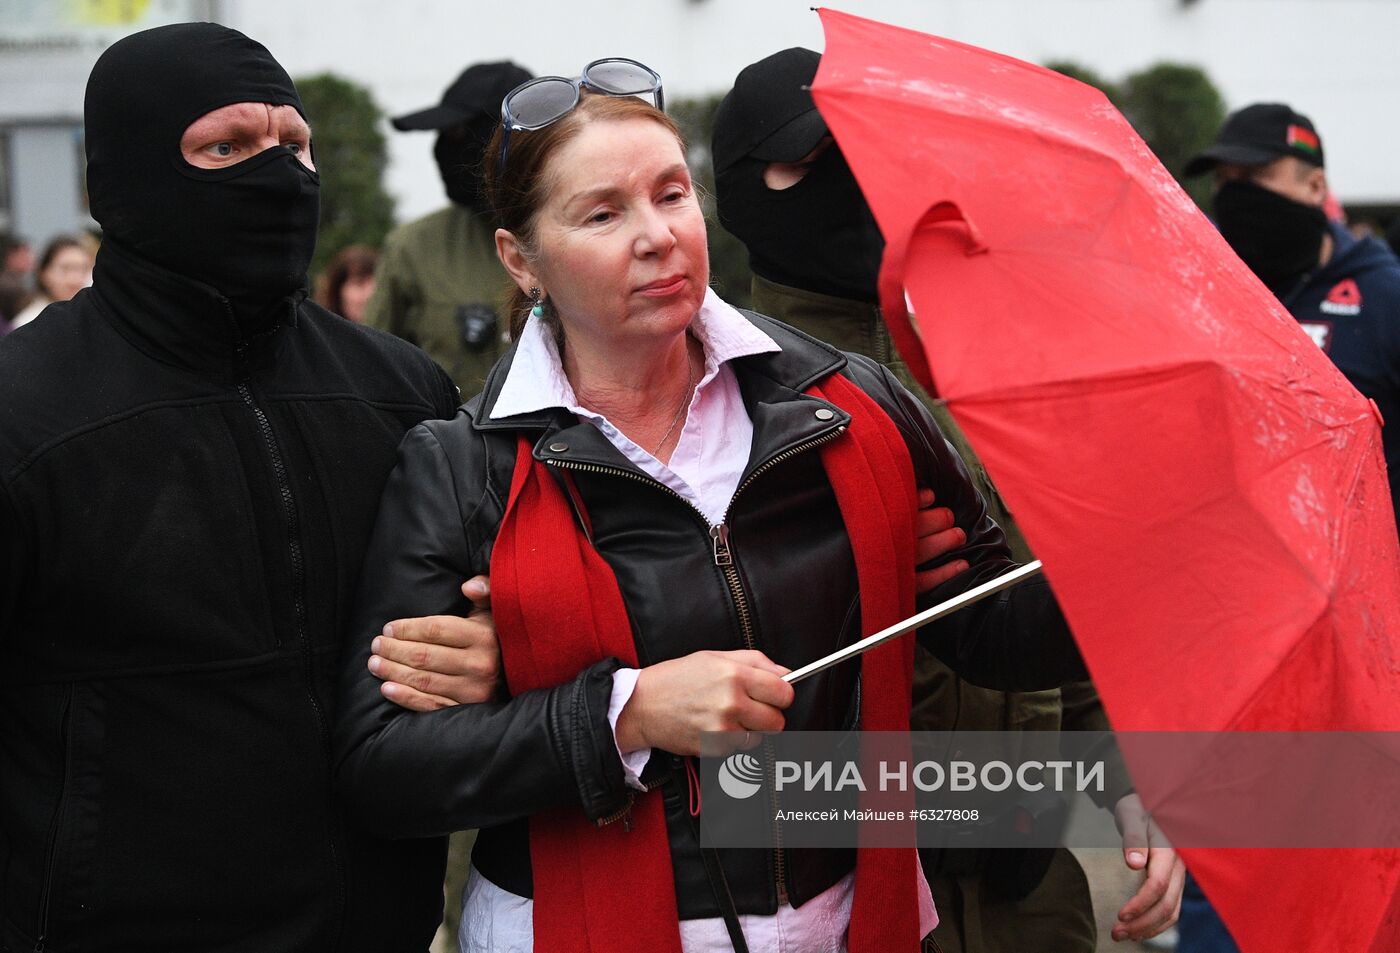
[1332,59]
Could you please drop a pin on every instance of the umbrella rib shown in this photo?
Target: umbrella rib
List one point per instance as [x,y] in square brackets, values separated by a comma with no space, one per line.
[1067,385]
[1032,392]
[1139,372]
[1259,691]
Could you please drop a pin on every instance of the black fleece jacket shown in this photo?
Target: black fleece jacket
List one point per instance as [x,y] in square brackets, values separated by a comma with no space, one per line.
[183,514]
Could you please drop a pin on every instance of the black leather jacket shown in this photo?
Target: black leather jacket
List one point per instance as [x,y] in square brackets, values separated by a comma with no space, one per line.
[790,592]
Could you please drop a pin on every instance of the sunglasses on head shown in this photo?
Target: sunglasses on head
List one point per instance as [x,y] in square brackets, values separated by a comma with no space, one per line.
[540,102]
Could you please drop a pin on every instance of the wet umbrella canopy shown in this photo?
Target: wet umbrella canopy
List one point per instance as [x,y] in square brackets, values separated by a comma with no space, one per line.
[1205,489]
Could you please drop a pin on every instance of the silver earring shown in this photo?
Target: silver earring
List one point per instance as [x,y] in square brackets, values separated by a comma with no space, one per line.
[538,310]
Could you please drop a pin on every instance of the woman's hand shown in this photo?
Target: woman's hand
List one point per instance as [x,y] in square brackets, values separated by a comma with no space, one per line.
[676,700]
[934,536]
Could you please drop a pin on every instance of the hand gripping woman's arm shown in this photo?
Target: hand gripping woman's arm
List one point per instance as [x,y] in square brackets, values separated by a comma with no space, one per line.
[1016,640]
[411,774]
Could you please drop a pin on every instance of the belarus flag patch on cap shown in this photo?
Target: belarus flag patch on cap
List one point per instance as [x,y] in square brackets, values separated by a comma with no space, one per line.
[1305,139]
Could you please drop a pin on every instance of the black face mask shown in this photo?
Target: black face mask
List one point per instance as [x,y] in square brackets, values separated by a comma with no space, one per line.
[459,153]
[1279,239]
[819,235]
[247,230]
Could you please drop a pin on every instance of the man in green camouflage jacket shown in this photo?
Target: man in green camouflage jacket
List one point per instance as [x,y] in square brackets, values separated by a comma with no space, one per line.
[439,284]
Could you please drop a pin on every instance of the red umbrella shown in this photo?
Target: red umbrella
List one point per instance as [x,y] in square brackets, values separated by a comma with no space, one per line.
[1206,491]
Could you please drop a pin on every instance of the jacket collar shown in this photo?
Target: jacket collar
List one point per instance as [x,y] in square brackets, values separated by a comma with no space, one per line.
[772,384]
[183,322]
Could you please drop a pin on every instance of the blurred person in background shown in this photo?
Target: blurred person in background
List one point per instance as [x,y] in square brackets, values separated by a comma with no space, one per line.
[440,285]
[16,263]
[347,283]
[16,256]
[14,297]
[65,268]
[1271,197]
[784,189]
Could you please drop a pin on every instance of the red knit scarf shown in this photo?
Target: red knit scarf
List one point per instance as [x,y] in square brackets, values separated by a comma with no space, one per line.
[558,610]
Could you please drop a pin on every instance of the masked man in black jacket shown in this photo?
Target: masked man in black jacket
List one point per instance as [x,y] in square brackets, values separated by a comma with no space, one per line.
[1271,195]
[191,455]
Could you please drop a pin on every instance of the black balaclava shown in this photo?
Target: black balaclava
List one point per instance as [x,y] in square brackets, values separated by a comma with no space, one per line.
[1279,239]
[247,230]
[819,235]
[459,151]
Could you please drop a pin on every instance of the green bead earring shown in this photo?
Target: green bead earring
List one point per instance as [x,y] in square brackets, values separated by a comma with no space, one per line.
[538,310]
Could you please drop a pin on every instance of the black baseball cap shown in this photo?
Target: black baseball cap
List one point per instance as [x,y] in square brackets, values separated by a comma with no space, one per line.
[1259,134]
[770,113]
[478,91]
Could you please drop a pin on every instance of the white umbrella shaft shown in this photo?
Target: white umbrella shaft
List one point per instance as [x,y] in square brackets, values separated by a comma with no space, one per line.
[914,621]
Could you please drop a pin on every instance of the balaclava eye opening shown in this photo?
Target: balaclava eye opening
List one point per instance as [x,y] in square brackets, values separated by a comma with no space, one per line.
[247,230]
[818,235]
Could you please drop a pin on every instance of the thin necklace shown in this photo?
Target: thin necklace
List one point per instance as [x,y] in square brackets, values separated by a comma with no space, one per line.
[685,401]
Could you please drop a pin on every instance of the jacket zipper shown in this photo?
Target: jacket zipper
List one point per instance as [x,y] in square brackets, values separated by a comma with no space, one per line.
[293,526]
[624,813]
[724,559]
[56,825]
[881,343]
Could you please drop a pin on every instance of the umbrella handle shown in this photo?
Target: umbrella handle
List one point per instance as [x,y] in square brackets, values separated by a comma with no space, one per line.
[891,286]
